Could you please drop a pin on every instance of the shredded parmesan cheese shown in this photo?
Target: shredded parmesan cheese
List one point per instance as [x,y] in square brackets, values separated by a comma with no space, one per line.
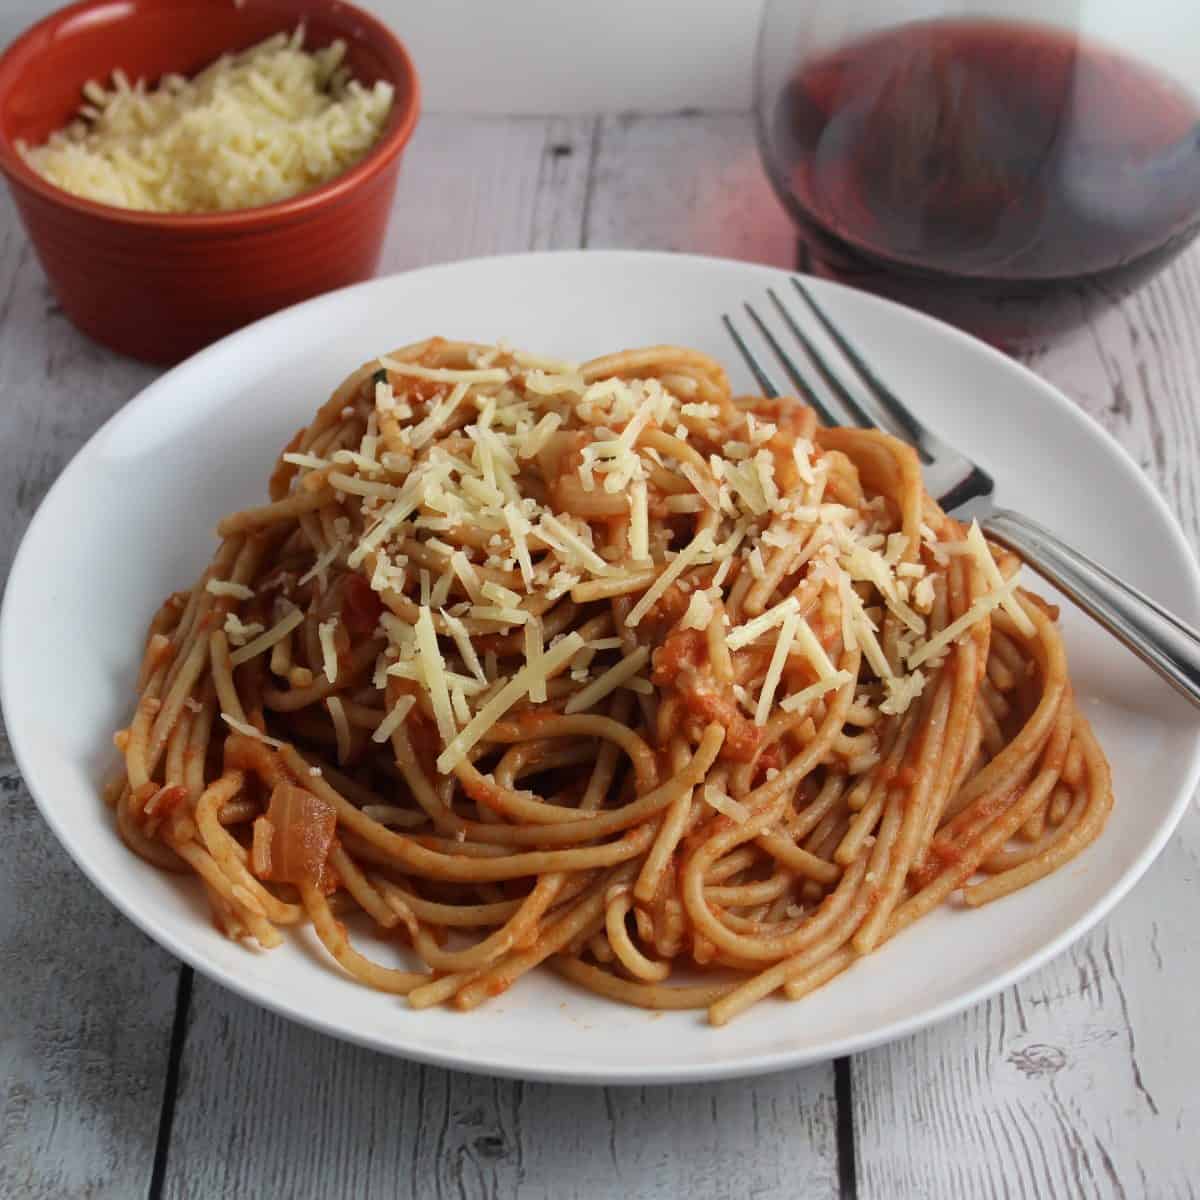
[458,747]
[783,646]
[466,572]
[533,658]
[253,128]
[424,433]
[325,632]
[813,650]
[311,461]
[864,634]
[700,610]
[743,635]
[699,546]
[613,678]
[341,727]
[433,671]
[977,611]
[394,719]
[536,438]
[570,545]
[239,632]
[265,641]
[466,648]
[250,731]
[901,692]
[991,573]
[323,562]
[639,522]
[225,587]
[803,698]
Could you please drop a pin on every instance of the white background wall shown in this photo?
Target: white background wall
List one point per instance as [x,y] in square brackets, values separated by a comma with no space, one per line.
[584,56]
[563,56]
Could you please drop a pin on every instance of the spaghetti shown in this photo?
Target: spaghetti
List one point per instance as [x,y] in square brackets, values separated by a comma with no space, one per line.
[604,668]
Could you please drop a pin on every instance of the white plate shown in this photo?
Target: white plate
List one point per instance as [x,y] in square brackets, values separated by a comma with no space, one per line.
[131,519]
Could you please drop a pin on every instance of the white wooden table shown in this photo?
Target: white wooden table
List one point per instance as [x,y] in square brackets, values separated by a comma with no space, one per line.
[123,1075]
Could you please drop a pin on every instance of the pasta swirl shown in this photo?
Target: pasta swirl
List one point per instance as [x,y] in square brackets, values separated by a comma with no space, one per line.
[606,668]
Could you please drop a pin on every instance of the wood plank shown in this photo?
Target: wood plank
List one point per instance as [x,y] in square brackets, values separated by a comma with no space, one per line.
[266,1106]
[58,386]
[488,185]
[689,183]
[1079,1081]
[85,1021]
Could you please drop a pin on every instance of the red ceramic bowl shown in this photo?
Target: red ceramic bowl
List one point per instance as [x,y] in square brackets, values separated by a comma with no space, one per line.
[159,286]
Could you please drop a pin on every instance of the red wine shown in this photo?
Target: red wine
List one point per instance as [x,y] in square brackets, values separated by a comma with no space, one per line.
[995,174]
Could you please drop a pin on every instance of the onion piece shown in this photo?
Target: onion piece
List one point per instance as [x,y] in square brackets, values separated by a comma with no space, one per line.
[303,827]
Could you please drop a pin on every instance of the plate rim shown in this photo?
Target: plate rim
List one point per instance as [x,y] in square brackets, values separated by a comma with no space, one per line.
[563,1072]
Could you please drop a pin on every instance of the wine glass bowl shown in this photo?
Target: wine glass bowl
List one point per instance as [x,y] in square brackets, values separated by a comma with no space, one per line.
[1002,169]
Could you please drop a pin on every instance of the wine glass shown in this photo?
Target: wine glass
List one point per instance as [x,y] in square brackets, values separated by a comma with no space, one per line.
[1002,164]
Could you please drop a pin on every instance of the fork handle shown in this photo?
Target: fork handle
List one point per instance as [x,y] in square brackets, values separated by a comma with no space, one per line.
[1154,634]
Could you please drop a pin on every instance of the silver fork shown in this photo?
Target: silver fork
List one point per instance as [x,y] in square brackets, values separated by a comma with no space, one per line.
[966,491]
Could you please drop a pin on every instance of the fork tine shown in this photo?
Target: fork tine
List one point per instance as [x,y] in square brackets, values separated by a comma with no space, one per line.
[761,377]
[909,428]
[793,372]
[858,414]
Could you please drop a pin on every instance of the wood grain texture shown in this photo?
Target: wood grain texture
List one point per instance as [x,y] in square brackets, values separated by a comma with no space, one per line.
[689,183]
[85,1000]
[265,1107]
[488,185]
[1079,1081]
[85,1022]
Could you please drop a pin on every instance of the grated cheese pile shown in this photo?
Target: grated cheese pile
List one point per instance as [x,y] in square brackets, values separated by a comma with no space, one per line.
[250,129]
[502,448]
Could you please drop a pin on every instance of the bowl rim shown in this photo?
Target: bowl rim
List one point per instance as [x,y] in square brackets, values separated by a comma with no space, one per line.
[377,158]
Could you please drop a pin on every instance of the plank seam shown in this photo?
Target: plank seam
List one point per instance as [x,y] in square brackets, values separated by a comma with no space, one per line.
[843,1094]
[589,185]
[166,1117]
